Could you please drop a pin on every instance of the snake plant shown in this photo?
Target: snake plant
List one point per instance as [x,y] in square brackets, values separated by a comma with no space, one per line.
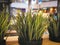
[31,28]
[4,24]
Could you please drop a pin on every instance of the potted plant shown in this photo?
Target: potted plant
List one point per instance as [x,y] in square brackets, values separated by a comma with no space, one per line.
[54,28]
[4,24]
[30,29]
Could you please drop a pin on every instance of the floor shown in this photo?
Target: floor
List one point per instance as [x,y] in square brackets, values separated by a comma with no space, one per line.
[48,42]
[45,42]
[13,40]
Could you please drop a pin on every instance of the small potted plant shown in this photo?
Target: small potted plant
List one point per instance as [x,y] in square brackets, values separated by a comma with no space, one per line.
[54,28]
[30,29]
[4,24]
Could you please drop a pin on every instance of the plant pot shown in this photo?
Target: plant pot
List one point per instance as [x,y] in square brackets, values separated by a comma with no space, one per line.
[32,42]
[54,38]
[2,42]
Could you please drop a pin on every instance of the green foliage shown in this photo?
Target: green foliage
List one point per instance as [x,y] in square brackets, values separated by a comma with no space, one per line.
[53,25]
[4,24]
[58,20]
[31,28]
